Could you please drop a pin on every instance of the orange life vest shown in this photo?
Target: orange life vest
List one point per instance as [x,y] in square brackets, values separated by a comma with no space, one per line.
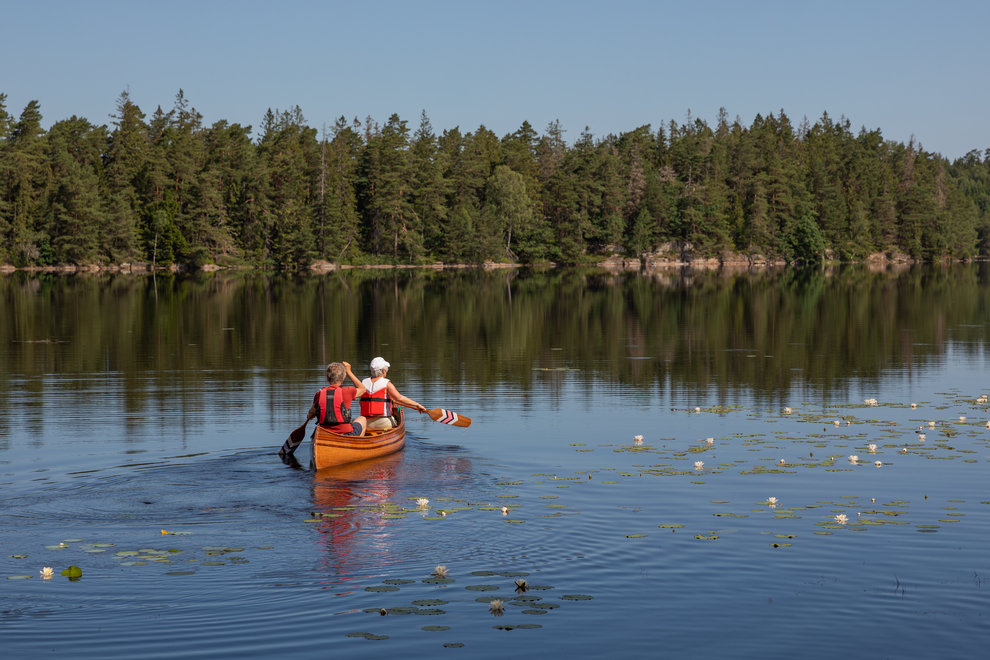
[377,403]
[332,411]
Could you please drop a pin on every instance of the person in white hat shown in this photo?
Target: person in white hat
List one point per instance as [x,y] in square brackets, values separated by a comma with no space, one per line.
[381,394]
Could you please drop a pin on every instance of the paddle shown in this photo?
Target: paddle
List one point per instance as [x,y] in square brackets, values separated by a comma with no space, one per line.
[448,417]
[295,439]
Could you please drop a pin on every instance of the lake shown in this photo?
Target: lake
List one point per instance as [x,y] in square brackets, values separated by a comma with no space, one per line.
[677,464]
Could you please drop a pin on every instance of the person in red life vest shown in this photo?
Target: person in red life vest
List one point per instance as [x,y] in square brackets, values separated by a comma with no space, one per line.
[380,394]
[332,405]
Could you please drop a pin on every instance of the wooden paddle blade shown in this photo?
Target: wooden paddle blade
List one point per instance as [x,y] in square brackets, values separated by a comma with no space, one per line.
[448,417]
[293,441]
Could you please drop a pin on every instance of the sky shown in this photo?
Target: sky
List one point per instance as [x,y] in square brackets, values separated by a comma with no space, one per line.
[912,69]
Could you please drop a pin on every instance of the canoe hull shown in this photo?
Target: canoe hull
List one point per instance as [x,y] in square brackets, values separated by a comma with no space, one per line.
[330,449]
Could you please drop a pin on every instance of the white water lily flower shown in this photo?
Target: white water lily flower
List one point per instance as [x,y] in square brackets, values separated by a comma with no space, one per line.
[772,501]
[921,436]
[931,425]
[422,502]
[870,402]
[697,409]
[787,411]
[841,519]
[710,441]
[698,465]
[496,607]
[914,405]
[878,463]
[872,447]
[440,571]
[782,462]
[638,439]
[853,458]
[47,572]
[505,510]
[962,418]
[904,450]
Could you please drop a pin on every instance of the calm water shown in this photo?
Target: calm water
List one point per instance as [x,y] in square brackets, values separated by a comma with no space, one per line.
[129,406]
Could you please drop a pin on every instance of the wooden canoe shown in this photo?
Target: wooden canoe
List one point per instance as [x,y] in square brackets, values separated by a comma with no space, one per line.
[330,449]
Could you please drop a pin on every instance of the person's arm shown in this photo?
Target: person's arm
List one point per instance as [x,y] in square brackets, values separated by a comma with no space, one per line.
[404,400]
[311,414]
[354,379]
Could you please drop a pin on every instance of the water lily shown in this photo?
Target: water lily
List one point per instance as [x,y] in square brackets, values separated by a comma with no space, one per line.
[47,572]
[440,571]
[505,510]
[837,422]
[962,418]
[697,409]
[521,585]
[638,439]
[853,458]
[772,501]
[496,607]
[841,519]
[710,441]
[921,437]
[931,425]
[782,462]
[870,402]
[872,447]
[878,463]
[914,405]
[904,450]
[698,465]
[422,502]
[787,411]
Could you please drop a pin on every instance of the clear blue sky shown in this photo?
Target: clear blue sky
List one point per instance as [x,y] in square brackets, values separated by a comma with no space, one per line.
[909,68]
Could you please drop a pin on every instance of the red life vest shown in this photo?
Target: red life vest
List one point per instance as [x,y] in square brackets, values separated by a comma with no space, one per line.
[335,411]
[378,404]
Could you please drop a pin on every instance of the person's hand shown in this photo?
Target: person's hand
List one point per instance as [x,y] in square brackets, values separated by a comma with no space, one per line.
[422,408]
[347,365]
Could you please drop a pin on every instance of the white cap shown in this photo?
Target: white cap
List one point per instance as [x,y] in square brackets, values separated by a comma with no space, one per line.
[379,363]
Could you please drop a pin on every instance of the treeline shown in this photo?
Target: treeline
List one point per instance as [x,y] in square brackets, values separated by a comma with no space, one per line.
[170,190]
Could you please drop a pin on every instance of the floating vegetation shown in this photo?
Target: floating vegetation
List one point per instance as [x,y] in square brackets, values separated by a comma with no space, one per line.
[367,635]
[481,587]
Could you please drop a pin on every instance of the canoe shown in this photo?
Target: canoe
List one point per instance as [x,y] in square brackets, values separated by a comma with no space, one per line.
[330,449]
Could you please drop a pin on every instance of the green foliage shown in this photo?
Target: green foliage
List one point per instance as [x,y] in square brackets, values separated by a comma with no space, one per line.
[167,189]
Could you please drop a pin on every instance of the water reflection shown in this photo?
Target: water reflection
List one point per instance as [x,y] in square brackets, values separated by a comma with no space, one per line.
[346,496]
[358,505]
[163,351]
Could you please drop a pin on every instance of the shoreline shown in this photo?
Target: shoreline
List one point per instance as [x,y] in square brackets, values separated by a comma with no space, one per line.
[614,263]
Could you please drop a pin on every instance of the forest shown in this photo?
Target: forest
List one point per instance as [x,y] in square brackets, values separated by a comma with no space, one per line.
[168,190]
